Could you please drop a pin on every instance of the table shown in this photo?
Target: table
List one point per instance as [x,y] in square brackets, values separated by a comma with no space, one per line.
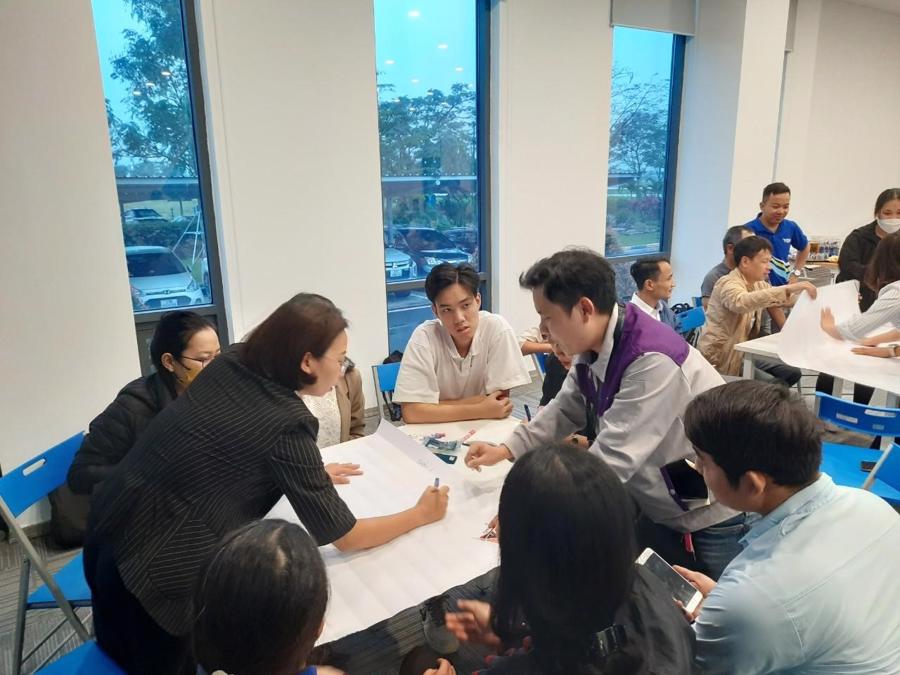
[373,585]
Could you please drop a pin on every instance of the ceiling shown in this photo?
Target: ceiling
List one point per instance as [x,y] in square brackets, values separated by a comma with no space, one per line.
[892,6]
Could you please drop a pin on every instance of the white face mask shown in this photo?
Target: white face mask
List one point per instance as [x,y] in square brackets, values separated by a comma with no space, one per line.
[889,225]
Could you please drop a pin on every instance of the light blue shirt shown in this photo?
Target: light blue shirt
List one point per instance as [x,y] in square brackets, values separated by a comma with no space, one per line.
[815,590]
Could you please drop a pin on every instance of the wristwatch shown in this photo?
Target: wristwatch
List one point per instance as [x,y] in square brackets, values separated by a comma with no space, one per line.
[797,272]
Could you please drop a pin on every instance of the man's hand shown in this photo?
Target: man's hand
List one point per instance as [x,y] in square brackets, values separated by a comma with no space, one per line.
[496,406]
[699,581]
[472,623]
[486,454]
[799,286]
[444,668]
[340,473]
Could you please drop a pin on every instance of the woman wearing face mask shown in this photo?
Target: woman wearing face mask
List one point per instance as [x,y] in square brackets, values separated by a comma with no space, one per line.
[183,343]
[211,462]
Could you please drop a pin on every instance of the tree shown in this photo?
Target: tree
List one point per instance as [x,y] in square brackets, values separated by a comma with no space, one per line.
[158,138]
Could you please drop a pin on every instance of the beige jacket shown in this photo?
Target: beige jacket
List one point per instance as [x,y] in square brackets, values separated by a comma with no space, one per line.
[733,316]
[352,405]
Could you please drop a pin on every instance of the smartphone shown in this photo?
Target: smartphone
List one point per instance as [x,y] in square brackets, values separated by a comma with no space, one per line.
[867,466]
[449,459]
[678,586]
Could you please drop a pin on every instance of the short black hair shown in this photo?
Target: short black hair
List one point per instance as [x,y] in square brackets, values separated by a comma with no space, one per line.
[749,247]
[260,602]
[646,268]
[749,425]
[172,335]
[446,275]
[571,274]
[733,235]
[775,189]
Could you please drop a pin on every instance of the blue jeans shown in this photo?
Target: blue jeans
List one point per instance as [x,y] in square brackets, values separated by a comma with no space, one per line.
[717,545]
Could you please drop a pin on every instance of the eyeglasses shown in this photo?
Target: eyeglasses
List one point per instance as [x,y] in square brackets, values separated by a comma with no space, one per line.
[203,362]
[345,363]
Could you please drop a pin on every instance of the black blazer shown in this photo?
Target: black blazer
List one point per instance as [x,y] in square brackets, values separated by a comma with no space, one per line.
[217,457]
[856,252]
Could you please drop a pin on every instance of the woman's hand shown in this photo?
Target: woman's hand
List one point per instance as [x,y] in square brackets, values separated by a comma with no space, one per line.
[340,473]
[473,623]
[881,352]
[826,321]
[444,668]
[432,505]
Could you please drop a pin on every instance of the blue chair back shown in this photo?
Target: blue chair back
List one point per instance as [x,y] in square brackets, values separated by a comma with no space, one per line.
[697,300]
[88,659]
[889,470]
[35,479]
[866,419]
[687,321]
[386,376]
[540,360]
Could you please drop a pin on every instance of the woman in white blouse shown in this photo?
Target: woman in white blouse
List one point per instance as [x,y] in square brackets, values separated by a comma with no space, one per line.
[341,415]
[883,277]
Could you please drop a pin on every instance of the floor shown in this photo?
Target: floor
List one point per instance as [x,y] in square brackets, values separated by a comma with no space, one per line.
[377,650]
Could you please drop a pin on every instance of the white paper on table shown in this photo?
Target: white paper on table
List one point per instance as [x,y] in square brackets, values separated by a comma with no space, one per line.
[803,343]
[370,586]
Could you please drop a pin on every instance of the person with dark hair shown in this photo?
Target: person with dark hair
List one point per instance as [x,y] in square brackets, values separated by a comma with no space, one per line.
[883,278]
[655,282]
[732,236]
[182,344]
[568,580]
[856,253]
[734,312]
[771,222]
[814,589]
[635,376]
[211,462]
[462,364]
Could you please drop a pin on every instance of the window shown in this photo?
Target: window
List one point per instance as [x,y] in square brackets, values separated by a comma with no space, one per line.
[159,154]
[431,113]
[643,139]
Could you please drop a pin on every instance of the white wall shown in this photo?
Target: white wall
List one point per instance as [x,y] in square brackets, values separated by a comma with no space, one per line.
[838,142]
[550,136]
[293,123]
[67,330]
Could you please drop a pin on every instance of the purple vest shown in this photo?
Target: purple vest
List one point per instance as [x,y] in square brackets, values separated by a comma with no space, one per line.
[636,335]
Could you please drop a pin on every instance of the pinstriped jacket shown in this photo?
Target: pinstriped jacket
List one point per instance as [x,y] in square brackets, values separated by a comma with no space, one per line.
[218,457]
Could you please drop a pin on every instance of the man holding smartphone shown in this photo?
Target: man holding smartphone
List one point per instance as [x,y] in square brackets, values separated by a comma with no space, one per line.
[815,589]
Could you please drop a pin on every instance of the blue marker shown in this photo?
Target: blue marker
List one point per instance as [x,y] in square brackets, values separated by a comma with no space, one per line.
[527,412]
[437,482]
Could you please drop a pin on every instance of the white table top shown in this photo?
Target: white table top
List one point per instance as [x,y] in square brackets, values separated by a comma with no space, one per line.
[763,346]
[373,585]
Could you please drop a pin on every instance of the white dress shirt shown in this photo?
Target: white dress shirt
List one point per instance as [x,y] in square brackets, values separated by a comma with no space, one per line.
[644,307]
[885,310]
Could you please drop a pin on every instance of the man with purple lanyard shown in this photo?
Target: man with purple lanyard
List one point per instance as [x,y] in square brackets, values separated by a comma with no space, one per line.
[771,222]
[637,376]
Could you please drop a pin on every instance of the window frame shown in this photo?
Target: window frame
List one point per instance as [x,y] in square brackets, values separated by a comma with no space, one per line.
[483,164]
[676,82]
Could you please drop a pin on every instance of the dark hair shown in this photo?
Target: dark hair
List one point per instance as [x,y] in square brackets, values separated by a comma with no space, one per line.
[775,189]
[567,550]
[261,601]
[646,268]
[887,196]
[748,425]
[574,273]
[307,323]
[884,267]
[445,275]
[733,235]
[172,334]
[749,247]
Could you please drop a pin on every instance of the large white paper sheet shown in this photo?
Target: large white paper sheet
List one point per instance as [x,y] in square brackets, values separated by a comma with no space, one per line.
[804,344]
[370,586]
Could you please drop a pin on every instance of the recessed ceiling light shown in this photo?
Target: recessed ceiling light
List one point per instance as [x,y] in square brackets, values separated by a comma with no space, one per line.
[414,14]
[136,92]
[389,62]
[443,45]
[458,69]
[415,80]
[166,73]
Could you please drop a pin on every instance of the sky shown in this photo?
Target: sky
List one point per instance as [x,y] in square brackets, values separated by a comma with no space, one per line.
[111,17]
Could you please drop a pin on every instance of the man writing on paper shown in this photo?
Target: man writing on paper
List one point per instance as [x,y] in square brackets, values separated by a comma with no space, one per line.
[461,365]
[636,375]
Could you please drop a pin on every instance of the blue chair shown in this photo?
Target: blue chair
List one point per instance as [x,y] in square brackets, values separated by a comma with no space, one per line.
[697,300]
[88,659]
[692,319]
[540,363]
[67,589]
[385,375]
[843,462]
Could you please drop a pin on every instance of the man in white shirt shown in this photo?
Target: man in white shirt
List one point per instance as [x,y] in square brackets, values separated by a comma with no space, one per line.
[461,365]
[655,282]
[635,376]
[815,588]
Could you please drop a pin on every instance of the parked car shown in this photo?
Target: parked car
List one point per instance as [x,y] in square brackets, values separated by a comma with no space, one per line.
[398,266]
[159,280]
[428,247]
[464,237]
[140,215]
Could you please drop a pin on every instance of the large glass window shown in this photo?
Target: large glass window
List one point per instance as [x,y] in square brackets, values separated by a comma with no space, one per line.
[644,109]
[155,118]
[430,109]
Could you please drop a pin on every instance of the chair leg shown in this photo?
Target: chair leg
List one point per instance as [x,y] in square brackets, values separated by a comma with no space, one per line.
[19,639]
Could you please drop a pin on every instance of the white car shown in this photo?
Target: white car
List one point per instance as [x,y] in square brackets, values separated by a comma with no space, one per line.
[140,215]
[159,280]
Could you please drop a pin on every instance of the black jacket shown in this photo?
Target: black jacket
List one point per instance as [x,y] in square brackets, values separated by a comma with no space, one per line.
[856,252]
[114,431]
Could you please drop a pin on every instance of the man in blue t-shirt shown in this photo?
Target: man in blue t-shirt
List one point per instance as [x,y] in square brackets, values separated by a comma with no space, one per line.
[772,223]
